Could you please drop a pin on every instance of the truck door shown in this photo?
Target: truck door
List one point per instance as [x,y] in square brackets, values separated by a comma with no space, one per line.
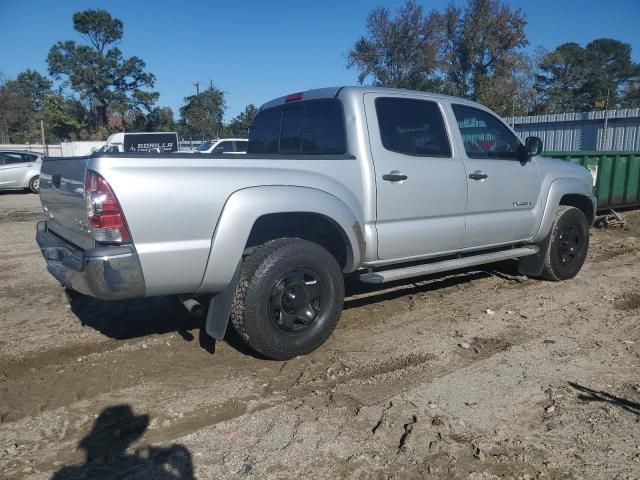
[503,188]
[420,183]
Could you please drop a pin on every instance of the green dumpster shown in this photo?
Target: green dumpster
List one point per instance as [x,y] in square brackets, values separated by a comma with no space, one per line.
[616,175]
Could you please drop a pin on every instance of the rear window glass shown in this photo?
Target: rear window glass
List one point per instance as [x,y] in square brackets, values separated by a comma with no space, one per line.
[412,127]
[291,132]
[265,132]
[313,127]
[323,130]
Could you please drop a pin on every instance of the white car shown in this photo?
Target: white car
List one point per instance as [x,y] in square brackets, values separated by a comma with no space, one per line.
[235,146]
[20,169]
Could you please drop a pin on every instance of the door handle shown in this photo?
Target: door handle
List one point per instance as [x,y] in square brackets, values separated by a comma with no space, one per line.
[478,175]
[394,176]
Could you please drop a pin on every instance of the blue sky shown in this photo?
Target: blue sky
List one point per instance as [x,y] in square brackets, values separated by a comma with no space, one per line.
[257,50]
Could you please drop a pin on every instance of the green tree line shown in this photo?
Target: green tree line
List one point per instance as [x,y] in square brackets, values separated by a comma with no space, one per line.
[476,51]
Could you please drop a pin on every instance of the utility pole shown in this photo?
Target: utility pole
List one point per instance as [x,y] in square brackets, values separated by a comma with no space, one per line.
[197,84]
[45,149]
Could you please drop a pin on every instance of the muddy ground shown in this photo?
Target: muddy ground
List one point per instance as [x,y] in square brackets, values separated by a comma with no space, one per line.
[418,381]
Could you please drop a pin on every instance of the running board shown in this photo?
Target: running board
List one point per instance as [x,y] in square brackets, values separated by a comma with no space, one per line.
[386,276]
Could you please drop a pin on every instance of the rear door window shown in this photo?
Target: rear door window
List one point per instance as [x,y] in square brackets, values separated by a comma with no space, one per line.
[412,127]
[314,127]
[241,146]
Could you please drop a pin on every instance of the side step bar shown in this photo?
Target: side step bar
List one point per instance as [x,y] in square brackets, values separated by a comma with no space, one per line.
[386,276]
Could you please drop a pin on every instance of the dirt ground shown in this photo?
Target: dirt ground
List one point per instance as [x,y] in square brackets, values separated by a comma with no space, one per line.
[478,375]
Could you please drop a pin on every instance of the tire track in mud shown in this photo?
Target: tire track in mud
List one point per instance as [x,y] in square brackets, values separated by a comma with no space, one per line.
[34,376]
[312,377]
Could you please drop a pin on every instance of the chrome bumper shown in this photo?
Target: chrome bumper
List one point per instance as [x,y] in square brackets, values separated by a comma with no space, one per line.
[107,273]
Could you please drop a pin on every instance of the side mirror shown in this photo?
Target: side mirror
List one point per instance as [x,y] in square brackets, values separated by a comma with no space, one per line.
[533,146]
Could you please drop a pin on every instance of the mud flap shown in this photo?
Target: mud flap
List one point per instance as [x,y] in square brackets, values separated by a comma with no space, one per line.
[532,265]
[220,308]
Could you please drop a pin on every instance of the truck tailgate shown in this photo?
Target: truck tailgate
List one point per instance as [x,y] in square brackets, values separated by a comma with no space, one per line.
[62,196]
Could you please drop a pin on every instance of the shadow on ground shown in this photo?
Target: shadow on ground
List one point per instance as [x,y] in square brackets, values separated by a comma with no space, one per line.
[108,453]
[130,319]
[589,395]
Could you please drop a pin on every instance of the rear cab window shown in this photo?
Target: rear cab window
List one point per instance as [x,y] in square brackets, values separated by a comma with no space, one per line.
[313,127]
[412,127]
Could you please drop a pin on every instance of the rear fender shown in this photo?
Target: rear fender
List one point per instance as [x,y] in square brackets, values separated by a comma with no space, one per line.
[244,207]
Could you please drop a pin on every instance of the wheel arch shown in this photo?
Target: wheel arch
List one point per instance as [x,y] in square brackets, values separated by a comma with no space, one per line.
[31,178]
[570,192]
[581,202]
[311,226]
[254,215]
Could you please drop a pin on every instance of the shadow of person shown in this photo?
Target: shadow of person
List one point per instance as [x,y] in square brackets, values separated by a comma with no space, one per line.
[113,432]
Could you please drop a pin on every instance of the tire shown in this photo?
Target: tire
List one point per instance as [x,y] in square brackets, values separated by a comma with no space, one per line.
[288,299]
[568,244]
[34,184]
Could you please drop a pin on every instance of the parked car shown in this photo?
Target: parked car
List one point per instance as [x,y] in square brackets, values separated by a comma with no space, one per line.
[389,184]
[151,142]
[223,145]
[20,169]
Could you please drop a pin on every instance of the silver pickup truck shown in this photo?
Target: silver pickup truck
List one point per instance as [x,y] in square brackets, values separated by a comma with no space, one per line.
[389,184]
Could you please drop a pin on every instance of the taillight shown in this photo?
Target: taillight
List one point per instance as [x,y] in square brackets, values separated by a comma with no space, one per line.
[106,220]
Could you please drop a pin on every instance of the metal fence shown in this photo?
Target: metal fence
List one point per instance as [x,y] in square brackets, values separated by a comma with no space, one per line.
[583,131]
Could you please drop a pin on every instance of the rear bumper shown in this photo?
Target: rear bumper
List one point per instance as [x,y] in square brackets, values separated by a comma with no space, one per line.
[107,273]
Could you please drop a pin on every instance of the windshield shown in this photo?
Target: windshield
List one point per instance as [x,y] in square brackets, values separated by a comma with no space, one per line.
[106,148]
[204,146]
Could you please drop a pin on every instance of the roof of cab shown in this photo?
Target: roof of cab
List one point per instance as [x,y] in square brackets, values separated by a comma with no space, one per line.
[344,92]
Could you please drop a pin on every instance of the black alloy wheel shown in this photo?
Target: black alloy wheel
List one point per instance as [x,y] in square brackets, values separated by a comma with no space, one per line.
[570,243]
[297,300]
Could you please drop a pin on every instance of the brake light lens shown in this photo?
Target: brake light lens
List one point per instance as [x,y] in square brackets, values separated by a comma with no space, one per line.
[105,218]
[294,96]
